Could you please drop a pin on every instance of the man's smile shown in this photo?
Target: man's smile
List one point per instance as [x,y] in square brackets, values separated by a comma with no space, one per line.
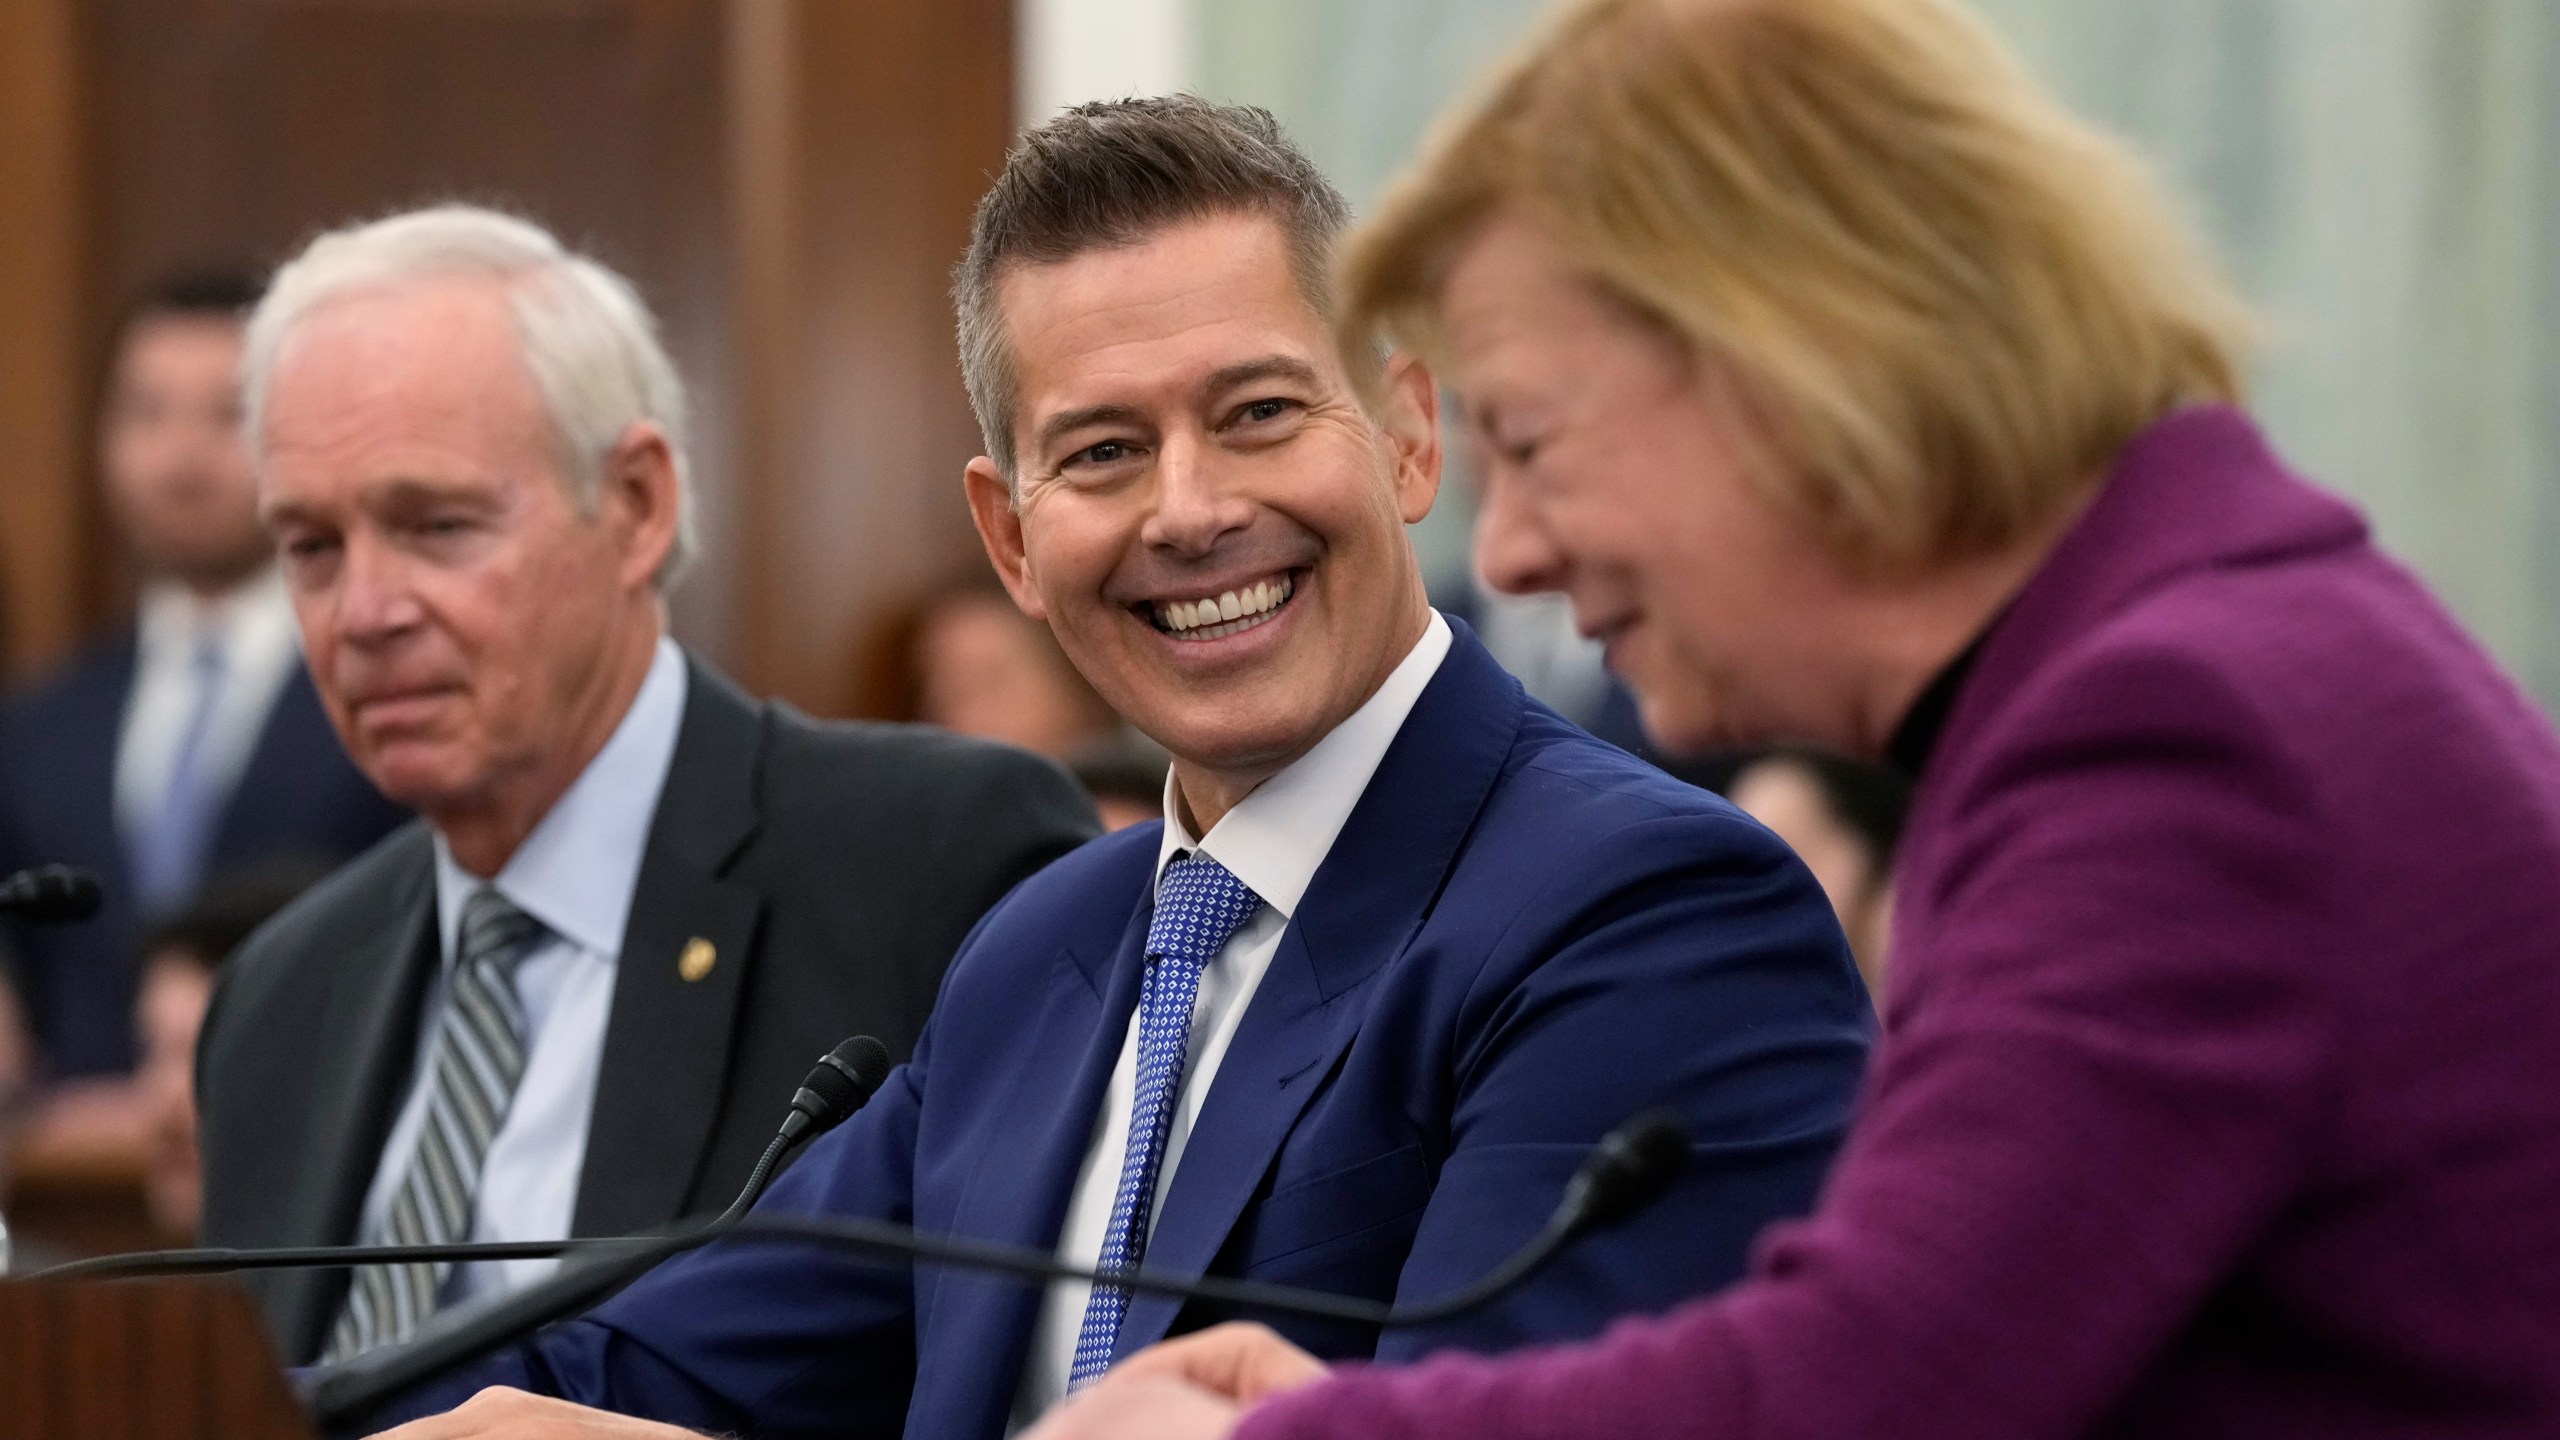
[1229,612]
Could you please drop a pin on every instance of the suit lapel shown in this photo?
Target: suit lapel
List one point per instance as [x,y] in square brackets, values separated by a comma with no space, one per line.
[279,779]
[364,1052]
[85,751]
[667,1041]
[1373,892]
[1019,1183]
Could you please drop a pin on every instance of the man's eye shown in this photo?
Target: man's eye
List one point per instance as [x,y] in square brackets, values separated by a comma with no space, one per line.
[1103,454]
[1262,410]
[1516,450]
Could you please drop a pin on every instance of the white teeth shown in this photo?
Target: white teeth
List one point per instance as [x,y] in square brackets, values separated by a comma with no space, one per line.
[1227,614]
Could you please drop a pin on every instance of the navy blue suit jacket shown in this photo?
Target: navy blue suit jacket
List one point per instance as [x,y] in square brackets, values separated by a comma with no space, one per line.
[299,798]
[1521,937]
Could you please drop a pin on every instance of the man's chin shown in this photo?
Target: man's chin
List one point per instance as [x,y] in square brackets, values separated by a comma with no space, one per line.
[1223,745]
[1679,725]
[415,776]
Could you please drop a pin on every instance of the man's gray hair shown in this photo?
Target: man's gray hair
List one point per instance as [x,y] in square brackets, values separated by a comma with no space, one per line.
[587,338]
[1116,172]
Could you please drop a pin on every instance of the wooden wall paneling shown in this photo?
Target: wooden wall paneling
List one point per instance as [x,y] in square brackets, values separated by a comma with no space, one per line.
[763,193]
[232,130]
[138,1360]
[897,114]
[43,234]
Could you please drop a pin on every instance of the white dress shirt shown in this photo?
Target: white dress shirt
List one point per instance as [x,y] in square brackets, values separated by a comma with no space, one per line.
[575,873]
[1273,841]
[253,626]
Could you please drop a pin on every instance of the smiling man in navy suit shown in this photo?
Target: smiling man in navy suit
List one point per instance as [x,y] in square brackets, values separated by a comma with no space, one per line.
[1405,945]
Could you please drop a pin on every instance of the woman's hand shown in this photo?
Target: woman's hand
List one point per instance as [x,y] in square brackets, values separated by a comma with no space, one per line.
[1194,1388]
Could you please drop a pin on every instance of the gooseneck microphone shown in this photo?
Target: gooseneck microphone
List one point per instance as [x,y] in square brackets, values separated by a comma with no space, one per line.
[842,1082]
[51,894]
[1625,1171]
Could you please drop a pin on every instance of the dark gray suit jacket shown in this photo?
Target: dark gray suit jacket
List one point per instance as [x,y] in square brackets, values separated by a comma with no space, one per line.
[833,868]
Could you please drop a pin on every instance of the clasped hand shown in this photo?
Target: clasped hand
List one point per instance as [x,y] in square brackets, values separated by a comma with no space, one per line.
[1195,1388]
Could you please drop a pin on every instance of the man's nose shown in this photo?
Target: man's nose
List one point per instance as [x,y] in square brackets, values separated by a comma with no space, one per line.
[376,601]
[1194,506]
[1514,550]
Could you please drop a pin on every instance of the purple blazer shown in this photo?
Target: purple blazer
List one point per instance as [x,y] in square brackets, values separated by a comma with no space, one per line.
[2220,1093]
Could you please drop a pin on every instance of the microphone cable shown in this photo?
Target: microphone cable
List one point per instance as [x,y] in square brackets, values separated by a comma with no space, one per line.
[1628,1168]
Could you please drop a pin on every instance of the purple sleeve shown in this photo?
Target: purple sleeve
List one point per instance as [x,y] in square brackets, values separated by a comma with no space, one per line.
[2108,1065]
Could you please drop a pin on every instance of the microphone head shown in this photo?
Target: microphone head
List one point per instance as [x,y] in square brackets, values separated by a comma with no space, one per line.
[50,894]
[842,1081]
[1630,1167]
[862,1060]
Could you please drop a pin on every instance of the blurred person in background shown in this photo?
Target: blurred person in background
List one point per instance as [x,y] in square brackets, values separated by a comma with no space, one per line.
[965,658]
[1857,393]
[987,669]
[181,955]
[962,657]
[1126,776]
[1843,817]
[185,741]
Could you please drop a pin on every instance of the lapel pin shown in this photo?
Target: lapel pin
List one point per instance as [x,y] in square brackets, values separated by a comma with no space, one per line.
[698,958]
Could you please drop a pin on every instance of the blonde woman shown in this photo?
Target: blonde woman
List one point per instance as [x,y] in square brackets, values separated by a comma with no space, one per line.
[1856,393]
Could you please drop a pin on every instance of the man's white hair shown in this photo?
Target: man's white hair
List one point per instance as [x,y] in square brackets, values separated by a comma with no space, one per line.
[588,339]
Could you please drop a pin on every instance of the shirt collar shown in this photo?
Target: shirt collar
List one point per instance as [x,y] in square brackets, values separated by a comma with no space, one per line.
[246,616]
[576,872]
[1276,837]
[1916,738]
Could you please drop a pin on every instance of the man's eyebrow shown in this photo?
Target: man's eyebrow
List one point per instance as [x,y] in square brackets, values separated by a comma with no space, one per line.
[403,494]
[1225,378]
[410,493]
[1067,421]
[1269,367]
[282,512]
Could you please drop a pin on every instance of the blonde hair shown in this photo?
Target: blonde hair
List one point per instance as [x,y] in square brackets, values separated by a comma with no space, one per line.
[1949,301]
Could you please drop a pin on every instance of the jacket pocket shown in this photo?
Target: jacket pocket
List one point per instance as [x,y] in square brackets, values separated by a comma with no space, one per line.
[1376,1197]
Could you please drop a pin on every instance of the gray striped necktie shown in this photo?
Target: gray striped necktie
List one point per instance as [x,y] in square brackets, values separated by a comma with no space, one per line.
[479,1057]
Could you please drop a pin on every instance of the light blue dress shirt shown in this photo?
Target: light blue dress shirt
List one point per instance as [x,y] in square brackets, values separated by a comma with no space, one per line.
[575,873]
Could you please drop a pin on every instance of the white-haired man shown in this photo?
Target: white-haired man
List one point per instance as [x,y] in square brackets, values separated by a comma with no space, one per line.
[575,998]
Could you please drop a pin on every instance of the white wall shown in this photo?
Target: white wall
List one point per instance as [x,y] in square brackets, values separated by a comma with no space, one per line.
[1078,50]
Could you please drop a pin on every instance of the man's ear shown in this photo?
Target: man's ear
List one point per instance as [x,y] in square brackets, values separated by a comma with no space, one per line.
[1000,529]
[638,496]
[1409,414]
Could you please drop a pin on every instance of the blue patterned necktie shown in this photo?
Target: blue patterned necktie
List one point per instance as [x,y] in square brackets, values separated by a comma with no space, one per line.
[168,856]
[1199,907]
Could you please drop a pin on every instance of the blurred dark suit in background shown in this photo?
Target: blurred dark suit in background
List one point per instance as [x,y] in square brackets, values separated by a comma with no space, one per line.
[187,741]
